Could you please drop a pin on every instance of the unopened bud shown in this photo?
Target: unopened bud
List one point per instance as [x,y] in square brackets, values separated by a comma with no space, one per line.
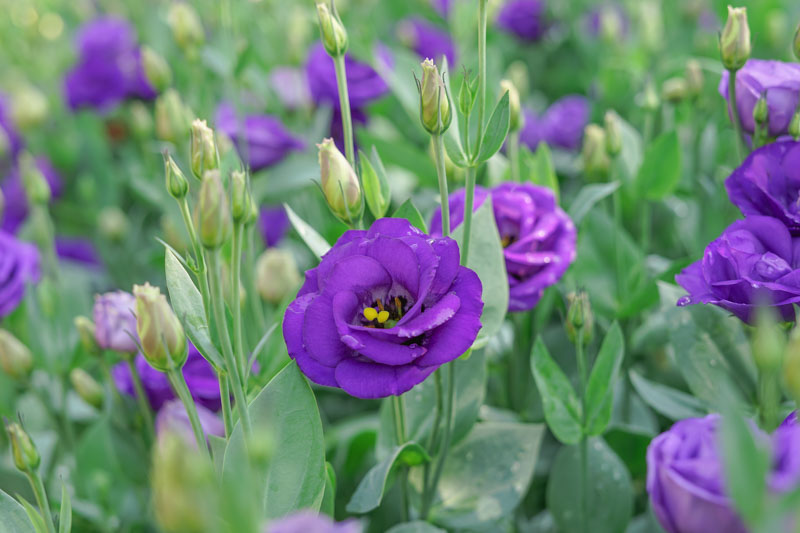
[160,332]
[36,187]
[796,43]
[339,183]
[113,223]
[177,185]
[26,457]
[768,342]
[141,120]
[86,334]
[579,318]
[650,99]
[434,102]
[15,358]
[760,110]
[28,107]
[156,69]
[240,196]
[734,41]
[466,95]
[87,387]
[791,365]
[172,121]
[794,125]
[204,149]
[334,36]
[674,90]
[594,155]
[252,212]
[212,216]
[613,133]
[694,77]
[515,118]
[187,30]
[276,275]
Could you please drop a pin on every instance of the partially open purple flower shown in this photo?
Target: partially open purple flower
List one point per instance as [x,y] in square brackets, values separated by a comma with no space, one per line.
[768,183]
[427,40]
[19,265]
[310,522]
[16,205]
[523,18]
[754,262]
[778,80]
[261,140]
[199,375]
[173,417]
[109,67]
[383,310]
[538,236]
[115,321]
[364,84]
[12,143]
[273,223]
[561,125]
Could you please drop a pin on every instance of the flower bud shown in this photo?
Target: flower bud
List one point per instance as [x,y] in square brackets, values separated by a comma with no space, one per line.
[113,223]
[212,216]
[334,36]
[650,99]
[596,162]
[140,120]
[674,90]
[579,317]
[204,149]
[156,69]
[172,120]
[177,185]
[796,43]
[87,387]
[26,457]
[240,196]
[434,101]
[516,120]
[28,107]
[760,110]
[276,275]
[694,77]
[613,133]
[768,342]
[187,30]
[794,125]
[87,334]
[734,41]
[160,332]
[466,95]
[15,358]
[339,183]
[36,186]
[791,365]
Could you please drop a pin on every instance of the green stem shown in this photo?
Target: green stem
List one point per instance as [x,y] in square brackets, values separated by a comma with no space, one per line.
[398,412]
[256,308]
[427,498]
[46,240]
[769,398]
[236,267]
[218,308]
[740,144]
[646,221]
[200,265]
[344,107]
[584,449]
[481,72]
[468,203]
[441,172]
[182,390]
[141,399]
[513,155]
[448,433]
[225,398]
[41,500]
[617,201]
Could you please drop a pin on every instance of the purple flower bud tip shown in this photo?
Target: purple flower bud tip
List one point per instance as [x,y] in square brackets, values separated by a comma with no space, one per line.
[173,417]
[115,321]
[561,125]
[523,18]
[308,522]
[19,265]
[538,237]
[383,310]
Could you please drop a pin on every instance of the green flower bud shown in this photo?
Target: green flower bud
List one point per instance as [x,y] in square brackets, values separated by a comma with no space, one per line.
[339,183]
[204,149]
[694,77]
[794,125]
[86,334]
[212,216]
[791,365]
[87,387]
[160,332]
[517,72]
[113,223]
[516,120]
[172,117]
[15,358]
[434,102]
[36,187]
[650,99]
[252,212]
[156,69]
[768,342]
[760,110]
[28,107]
[26,457]
[177,185]
[187,30]
[240,196]
[796,43]
[141,121]
[613,133]
[596,162]
[334,36]
[674,90]
[734,41]
[466,95]
[579,317]
[276,275]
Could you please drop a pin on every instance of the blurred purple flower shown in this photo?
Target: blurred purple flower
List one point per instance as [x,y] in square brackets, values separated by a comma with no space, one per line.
[778,80]
[306,521]
[19,265]
[173,417]
[786,455]
[523,18]
[291,87]
[11,145]
[364,84]
[77,249]
[109,67]
[115,321]
[16,205]
[608,18]
[273,223]
[561,125]
[262,140]
[443,6]
[427,40]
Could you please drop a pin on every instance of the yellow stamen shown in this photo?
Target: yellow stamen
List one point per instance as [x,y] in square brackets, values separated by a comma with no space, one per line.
[398,305]
[380,304]
[370,313]
[383,316]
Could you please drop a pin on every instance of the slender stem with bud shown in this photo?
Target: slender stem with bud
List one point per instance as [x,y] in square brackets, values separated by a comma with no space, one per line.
[41,499]
[441,173]
[202,275]
[344,108]
[141,399]
[737,124]
[182,391]
[584,443]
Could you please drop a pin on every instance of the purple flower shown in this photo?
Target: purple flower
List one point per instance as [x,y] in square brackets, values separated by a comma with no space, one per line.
[115,321]
[262,140]
[291,87]
[364,84]
[538,236]
[523,18]
[383,310]
[12,140]
[78,250]
[561,125]
[778,80]
[274,223]
[306,521]
[443,6]
[173,417]
[109,68]
[768,183]
[16,205]
[199,374]
[786,455]
[754,262]
[427,40]
[19,265]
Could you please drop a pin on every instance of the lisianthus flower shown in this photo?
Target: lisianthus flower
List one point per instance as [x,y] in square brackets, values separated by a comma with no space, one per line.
[427,40]
[16,201]
[273,223]
[19,265]
[561,125]
[306,521]
[523,18]
[173,417]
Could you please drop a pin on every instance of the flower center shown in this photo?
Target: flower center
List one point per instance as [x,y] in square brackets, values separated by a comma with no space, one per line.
[384,315]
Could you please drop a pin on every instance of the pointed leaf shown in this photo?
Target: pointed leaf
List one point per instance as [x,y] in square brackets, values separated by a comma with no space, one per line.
[559,401]
[454,151]
[376,184]
[34,517]
[602,380]
[14,517]
[410,212]
[496,130]
[328,505]
[672,403]
[65,516]
[316,242]
[661,169]
[588,196]
[540,168]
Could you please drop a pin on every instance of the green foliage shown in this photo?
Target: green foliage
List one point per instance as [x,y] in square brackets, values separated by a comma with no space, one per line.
[410,212]
[561,407]
[370,491]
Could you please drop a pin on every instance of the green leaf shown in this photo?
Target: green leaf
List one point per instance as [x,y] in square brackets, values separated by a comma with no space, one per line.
[65,516]
[559,401]
[376,184]
[416,527]
[672,403]
[410,212]
[600,388]
[608,488]
[218,445]
[487,260]
[285,411]
[14,517]
[496,130]
[34,518]
[588,196]
[661,169]
[318,245]
[746,466]
[454,151]
[328,505]
[188,305]
[540,168]
[370,491]
[486,475]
